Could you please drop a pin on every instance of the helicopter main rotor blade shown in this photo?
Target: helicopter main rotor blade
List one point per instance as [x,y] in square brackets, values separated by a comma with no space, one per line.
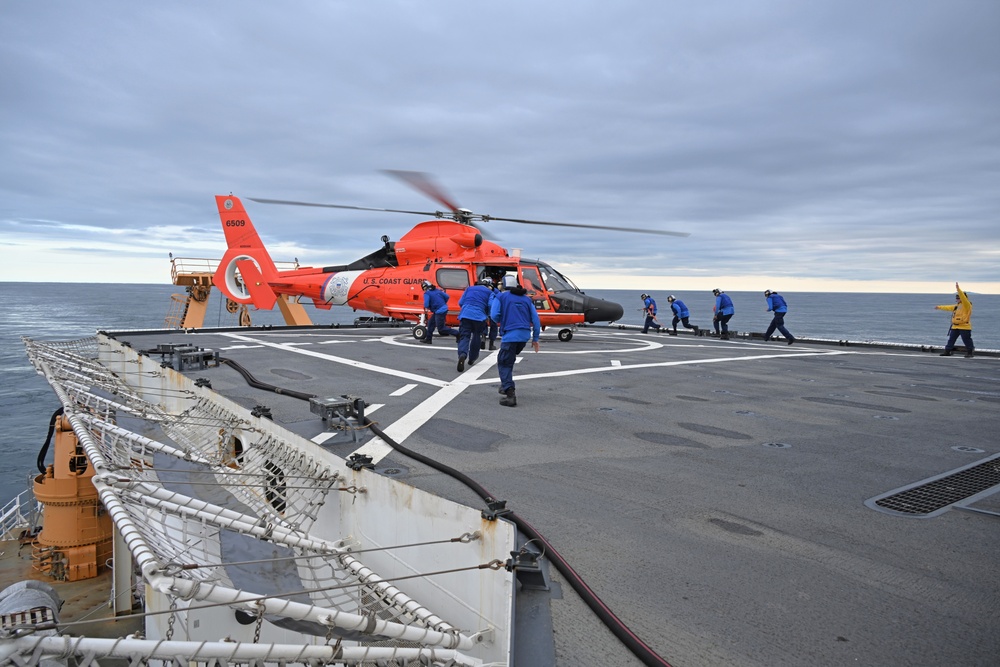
[286,202]
[637,230]
[424,183]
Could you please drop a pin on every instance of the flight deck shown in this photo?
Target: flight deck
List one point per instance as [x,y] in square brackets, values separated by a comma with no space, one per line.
[733,502]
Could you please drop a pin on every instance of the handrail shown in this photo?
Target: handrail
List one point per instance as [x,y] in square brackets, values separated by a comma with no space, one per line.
[198,265]
[18,514]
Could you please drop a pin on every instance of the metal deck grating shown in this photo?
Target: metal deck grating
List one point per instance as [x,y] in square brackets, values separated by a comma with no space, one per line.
[935,495]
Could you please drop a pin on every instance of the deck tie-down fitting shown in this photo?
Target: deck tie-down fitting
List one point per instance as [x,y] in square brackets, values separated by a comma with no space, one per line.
[360,461]
[344,413]
[524,564]
[495,509]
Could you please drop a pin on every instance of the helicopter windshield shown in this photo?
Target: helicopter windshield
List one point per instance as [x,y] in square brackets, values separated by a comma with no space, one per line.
[555,281]
[557,293]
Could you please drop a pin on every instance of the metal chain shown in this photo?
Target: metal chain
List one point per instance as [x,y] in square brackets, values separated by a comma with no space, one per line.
[170,619]
[260,622]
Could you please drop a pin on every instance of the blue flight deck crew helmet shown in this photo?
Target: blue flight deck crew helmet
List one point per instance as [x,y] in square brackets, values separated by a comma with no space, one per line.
[643,296]
[716,291]
[671,298]
[768,292]
[426,285]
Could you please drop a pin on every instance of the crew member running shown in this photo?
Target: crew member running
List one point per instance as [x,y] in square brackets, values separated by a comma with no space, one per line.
[681,314]
[777,305]
[724,312]
[649,307]
[436,301]
[472,321]
[518,320]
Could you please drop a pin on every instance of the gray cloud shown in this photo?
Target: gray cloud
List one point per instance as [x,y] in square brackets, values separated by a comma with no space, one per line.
[826,139]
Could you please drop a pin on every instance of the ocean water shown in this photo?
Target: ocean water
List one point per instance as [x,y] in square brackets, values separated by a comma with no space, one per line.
[896,318]
[66,311]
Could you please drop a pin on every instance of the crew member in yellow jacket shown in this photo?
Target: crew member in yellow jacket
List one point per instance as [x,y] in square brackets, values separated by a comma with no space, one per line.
[961,323]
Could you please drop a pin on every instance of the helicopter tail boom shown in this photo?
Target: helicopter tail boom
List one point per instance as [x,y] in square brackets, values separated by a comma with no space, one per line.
[246,268]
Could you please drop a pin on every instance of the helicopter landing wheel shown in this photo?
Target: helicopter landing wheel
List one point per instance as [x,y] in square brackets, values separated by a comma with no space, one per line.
[419,332]
[565,335]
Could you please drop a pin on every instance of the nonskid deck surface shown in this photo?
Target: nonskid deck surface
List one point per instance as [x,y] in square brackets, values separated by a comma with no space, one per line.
[712,493]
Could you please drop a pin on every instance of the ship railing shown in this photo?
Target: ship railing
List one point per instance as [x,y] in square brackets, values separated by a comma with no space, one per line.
[344,594]
[18,517]
[184,267]
[225,652]
[146,532]
[187,266]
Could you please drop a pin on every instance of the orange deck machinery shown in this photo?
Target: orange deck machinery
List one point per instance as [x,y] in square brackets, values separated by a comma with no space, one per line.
[76,539]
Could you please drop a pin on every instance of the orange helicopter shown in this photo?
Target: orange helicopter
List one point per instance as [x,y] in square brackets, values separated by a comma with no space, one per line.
[448,251]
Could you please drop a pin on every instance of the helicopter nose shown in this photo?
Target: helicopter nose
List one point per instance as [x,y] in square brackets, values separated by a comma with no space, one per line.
[599,310]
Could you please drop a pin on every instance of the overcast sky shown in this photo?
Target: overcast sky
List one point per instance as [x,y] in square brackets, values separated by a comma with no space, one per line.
[801,144]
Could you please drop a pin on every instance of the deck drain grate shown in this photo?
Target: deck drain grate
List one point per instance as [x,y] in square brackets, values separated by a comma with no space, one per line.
[935,495]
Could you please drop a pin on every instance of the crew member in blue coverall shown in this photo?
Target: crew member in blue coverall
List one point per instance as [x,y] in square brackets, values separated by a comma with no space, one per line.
[724,312]
[474,303]
[777,305]
[649,307]
[436,301]
[519,323]
[681,314]
[493,328]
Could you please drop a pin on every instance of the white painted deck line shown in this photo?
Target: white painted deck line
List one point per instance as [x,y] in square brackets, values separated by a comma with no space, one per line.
[404,427]
[664,364]
[341,360]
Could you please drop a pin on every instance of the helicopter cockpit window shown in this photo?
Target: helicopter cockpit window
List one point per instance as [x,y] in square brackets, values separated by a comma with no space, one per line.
[555,281]
[563,295]
[452,278]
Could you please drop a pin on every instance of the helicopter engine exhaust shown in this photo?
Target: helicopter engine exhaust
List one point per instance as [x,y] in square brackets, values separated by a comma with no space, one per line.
[468,239]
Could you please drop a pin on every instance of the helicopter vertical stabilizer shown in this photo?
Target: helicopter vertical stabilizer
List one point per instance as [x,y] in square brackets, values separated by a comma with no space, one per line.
[246,268]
